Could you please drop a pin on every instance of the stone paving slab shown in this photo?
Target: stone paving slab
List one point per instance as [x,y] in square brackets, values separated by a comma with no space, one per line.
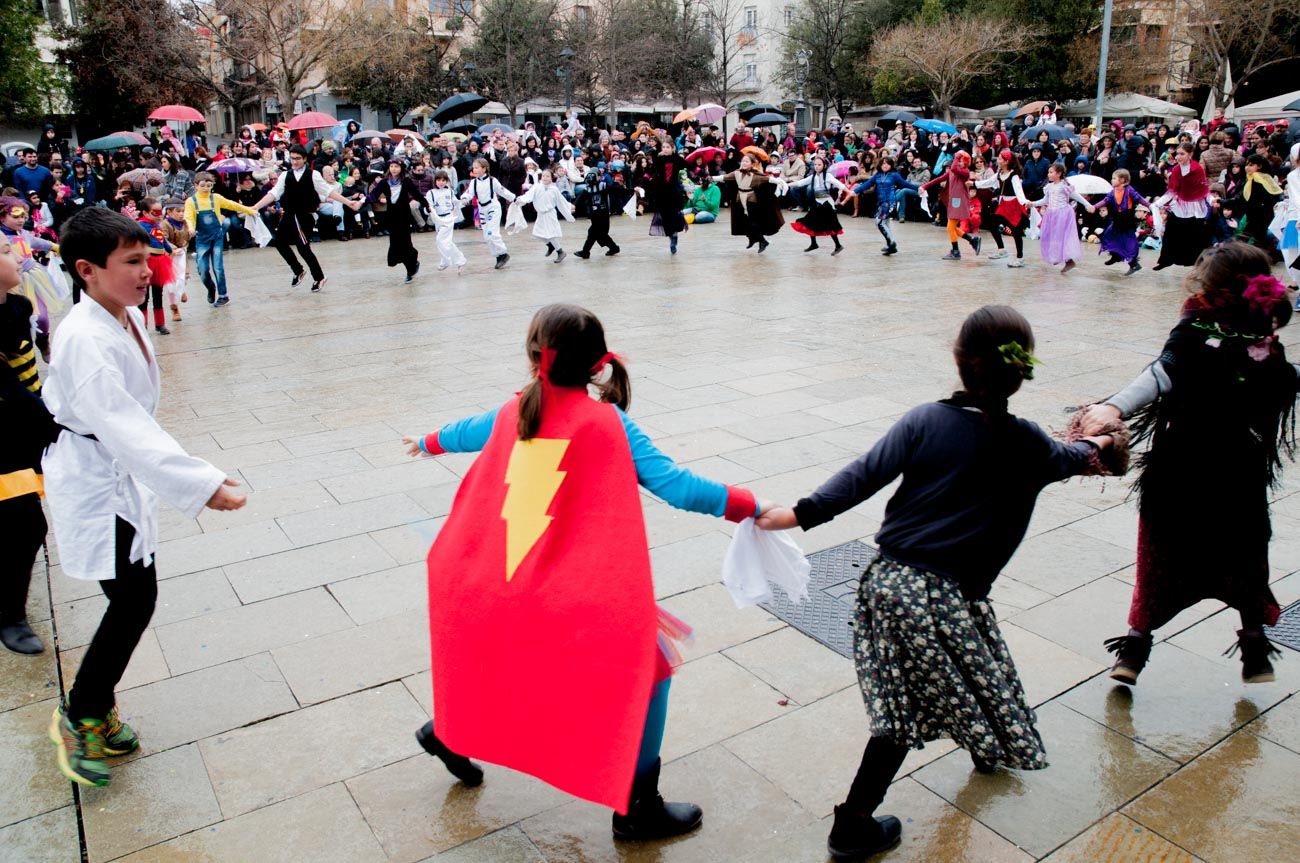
[300,618]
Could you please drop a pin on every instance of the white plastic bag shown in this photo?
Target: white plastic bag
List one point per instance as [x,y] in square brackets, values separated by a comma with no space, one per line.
[62,288]
[629,209]
[261,233]
[757,557]
[515,221]
[1035,224]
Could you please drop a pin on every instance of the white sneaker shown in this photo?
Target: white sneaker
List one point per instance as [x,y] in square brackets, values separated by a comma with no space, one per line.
[998,255]
[1018,262]
[442,267]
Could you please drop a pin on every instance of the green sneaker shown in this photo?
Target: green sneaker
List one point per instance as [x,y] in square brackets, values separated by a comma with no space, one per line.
[80,748]
[119,738]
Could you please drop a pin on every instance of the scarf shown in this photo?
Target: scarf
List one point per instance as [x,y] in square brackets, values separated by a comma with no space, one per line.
[1266,180]
[1190,187]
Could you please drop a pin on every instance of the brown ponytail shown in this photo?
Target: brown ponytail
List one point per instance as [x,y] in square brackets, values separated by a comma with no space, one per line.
[574,342]
[994,356]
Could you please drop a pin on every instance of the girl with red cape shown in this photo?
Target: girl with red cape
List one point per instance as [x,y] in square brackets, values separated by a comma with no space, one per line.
[549,654]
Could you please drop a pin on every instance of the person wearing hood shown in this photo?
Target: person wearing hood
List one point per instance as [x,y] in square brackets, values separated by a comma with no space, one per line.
[85,191]
[1080,165]
[50,142]
[1035,171]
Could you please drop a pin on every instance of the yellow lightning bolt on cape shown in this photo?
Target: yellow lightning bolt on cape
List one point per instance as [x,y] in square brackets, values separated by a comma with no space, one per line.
[533,477]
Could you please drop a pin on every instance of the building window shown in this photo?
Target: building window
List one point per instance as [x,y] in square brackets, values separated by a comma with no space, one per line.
[582,13]
[440,8]
[751,74]
[751,18]
[789,15]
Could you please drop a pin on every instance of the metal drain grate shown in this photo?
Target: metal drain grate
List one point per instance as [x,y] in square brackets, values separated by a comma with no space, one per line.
[1287,631]
[832,591]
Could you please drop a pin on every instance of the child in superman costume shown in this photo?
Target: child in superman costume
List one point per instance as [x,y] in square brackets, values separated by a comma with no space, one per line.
[549,653]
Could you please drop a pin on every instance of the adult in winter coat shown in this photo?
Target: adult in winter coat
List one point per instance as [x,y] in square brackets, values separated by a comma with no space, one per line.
[403,199]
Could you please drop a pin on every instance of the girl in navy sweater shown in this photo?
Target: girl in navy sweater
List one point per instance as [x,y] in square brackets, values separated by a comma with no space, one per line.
[930,659]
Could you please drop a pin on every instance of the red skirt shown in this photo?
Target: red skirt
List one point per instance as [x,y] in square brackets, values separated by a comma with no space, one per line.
[163,272]
[1012,211]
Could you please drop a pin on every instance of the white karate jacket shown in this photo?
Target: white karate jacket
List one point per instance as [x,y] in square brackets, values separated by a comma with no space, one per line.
[101,384]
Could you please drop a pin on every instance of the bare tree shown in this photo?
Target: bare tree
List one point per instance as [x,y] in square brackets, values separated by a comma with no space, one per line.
[724,21]
[410,69]
[1252,36]
[283,43]
[945,59]
[582,36]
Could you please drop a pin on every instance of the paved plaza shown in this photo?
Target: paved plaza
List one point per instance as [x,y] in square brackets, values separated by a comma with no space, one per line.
[286,671]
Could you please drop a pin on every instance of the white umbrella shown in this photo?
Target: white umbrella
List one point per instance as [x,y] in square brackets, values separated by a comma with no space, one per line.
[1089,184]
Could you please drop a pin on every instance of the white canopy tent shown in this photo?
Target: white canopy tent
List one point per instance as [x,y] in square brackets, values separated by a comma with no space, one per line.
[1268,109]
[1122,106]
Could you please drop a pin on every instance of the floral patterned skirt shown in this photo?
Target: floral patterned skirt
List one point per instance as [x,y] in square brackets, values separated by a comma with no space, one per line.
[933,665]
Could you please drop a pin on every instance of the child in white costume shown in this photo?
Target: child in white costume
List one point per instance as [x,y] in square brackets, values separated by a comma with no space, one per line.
[548,202]
[445,213]
[485,190]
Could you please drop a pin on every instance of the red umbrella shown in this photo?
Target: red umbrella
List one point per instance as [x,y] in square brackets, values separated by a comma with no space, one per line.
[179,113]
[311,120]
[138,139]
[398,134]
[705,154]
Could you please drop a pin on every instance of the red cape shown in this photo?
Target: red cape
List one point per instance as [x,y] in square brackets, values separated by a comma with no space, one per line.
[543,629]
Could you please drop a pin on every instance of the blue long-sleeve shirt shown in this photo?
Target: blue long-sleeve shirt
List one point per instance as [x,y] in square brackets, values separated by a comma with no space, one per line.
[655,471]
[886,185]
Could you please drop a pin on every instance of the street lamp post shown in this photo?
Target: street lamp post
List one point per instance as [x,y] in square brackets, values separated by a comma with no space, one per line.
[566,72]
[1101,65]
[801,108]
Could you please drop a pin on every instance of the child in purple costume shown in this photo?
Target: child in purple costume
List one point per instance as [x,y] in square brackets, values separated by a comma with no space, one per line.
[1060,240]
[1120,237]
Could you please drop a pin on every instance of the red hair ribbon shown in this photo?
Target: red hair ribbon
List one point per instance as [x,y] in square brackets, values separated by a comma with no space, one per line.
[544,367]
[1007,156]
[604,361]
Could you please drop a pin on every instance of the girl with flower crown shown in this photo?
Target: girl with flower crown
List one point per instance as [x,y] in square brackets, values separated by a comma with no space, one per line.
[930,659]
[1217,406]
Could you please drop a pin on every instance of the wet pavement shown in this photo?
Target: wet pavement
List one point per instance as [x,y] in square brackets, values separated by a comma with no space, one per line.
[286,670]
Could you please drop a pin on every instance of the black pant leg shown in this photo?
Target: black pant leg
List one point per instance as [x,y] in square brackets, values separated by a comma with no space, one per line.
[25,528]
[286,239]
[881,760]
[131,599]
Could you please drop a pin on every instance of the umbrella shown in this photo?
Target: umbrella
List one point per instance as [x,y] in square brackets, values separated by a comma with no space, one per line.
[114,141]
[1292,106]
[1029,108]
[458,105]
[895,117]
[137,140]
[177,112]
[462,127]
[455,136]
[237,166]
[709,112]
[842,169]
[398,134]
[756,152]
[758,108]
[493,128]
[367,134]
[935,126]
[311,120]
[684,116]
[1089,184]
[257,127]
[705,154]
[767,118]
[1056,132]
[140,177]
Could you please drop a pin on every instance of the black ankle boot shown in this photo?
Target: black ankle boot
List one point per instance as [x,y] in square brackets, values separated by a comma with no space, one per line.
[1257,653]
[1131,655]
[856,834]
[461,767]
[649,817]
[811,246]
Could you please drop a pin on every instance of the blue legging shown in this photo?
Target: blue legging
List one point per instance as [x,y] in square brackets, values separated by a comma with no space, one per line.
[653,736]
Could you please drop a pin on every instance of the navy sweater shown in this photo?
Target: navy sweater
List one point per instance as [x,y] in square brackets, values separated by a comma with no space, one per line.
[969,487]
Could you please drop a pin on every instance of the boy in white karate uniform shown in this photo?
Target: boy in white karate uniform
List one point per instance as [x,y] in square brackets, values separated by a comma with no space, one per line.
[106,471]
[445,211]
[485,190]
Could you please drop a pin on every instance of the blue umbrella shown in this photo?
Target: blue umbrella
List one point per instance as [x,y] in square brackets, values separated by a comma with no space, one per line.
[934,126]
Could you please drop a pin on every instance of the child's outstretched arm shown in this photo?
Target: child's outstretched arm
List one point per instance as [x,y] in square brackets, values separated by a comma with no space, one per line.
[679,487]
[469,434]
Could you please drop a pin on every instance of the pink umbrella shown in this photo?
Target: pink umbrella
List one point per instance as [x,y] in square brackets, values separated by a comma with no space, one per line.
[180,113]
[840,170]
[311,120]
[710,112]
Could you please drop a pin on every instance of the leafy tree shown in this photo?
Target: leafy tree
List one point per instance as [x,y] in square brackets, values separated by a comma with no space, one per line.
[27,84]
[116,76]
[837,35]
[409,71]
[515,51]
[724,24]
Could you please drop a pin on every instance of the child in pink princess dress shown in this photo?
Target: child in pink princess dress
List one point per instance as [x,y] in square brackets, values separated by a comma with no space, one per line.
[1060,240]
